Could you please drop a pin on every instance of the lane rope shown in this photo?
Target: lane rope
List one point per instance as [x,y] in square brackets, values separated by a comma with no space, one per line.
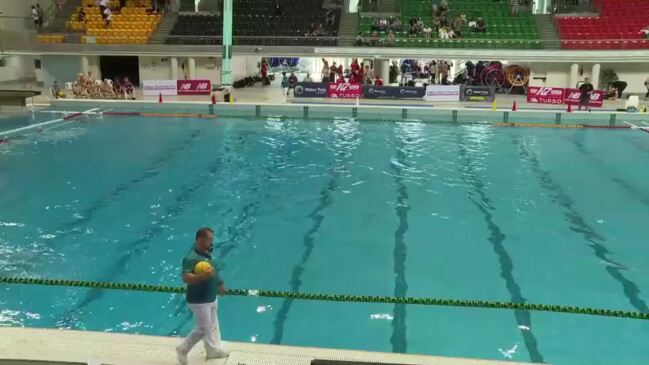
[335,297]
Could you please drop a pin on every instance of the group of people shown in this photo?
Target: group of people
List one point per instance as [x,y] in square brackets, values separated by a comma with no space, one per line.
[355,73]
[433,72]
[86,86]
[322,29]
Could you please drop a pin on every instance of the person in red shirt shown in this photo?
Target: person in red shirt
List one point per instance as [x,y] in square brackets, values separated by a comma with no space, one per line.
[341,75]
[378,81]
[354,66]
[264,72]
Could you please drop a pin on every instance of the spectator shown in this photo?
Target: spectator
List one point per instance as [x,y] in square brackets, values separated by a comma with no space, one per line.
[313,30]
[81,16]
[394,73]
[457,25]
[321,31]
[432,71]
[473,25]
[56,91]
[378,81]
[108,17]
[443,7]
[330,18]
[264,72]
[292,83]
[103,5]
[284,83]
[428,31]
[368,75]
[374,41]
[332,72]
[514,7]
[307,78]
[277,10]
[360,41]
[396,24]
[324,73]
[585,90]
[443,34]
[35,18]
[391,39]
[437,23]
[646,84]
[341,77]
[39,12]
[354,66]
[481,26]
[383,24]
[645,31]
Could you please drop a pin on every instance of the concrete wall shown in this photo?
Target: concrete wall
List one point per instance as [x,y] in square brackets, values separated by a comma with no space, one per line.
[16,25]
[244,66]
[18,68]
[208,69]
[61,68]
[558,74]
[155,68]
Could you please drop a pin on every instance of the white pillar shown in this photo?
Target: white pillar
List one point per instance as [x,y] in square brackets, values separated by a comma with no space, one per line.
[384,70]
[85,64]
[174,68]
[595,76]
[574,75]
[191,63]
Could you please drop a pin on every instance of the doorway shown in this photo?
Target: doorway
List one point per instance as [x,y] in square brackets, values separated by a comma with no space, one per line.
[113,67]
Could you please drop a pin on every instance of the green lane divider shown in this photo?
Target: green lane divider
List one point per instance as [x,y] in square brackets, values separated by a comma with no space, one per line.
[336,297]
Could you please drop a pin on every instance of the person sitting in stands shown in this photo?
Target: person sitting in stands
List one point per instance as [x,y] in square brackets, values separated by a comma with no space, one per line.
[378,81]
[437,22]
[457,26]
[428,31]
[396,24]
[391,39]
[108,18]
[81,16]
[128,88]
[443,7]
[443,34]
[374,41]
[360,41]
[330,18]
[321,30]
[412,29]
[383,24]
[57,92]
[481,26]
[645,31]
[277,10]
[312,30]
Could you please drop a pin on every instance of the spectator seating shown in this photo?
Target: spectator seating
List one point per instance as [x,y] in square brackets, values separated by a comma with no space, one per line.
[503,30]
[51,38]
[255,24]
[618,26]
[132,24]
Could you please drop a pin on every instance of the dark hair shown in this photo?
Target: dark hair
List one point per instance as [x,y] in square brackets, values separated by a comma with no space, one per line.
[202,232]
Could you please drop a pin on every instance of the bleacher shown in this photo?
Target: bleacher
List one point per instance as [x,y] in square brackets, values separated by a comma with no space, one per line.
[618,26]
[255,24]
[132,24]
[503,30]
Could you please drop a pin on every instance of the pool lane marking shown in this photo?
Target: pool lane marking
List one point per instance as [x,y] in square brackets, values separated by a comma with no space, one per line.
[42,124]
[398,339]
[497,238]
[579,225]
[634,126]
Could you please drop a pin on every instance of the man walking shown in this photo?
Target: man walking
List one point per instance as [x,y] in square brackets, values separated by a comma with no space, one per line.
[203,283]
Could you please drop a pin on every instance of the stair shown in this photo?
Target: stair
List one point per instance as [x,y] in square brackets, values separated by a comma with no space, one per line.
[58,25]
[348,29]
[164,29]
[548,34]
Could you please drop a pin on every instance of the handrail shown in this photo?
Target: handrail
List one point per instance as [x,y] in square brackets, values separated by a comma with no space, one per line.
[337,297]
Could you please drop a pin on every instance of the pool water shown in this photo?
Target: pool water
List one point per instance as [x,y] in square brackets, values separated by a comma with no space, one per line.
[340,206]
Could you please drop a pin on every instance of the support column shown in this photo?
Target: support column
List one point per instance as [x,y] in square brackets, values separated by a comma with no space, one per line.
[191,63]
[85,64]
[226,52]
[173,63]
[574,75]
[595,75]
[384,70]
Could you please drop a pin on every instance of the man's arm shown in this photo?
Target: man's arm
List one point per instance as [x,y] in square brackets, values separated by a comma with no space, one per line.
[190,278]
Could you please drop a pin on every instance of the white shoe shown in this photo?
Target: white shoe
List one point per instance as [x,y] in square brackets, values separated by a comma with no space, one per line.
[220,354]
[181,356]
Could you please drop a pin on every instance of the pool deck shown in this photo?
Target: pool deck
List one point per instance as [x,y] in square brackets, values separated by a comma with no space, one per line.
[30,345]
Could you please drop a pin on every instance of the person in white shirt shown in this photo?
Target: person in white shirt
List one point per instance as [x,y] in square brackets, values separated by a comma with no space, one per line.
[35,17]
[108,16]
[103,5]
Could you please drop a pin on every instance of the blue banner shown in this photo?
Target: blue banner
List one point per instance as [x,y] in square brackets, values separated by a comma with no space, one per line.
[311,90]
[393,92]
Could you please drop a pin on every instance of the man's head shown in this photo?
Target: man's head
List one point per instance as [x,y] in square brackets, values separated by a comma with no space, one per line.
[292,74]
[587,80]
[204,239]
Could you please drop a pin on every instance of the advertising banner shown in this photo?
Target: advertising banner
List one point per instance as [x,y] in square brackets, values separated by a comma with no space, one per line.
[393,92]
[545,95]
[442,93]
[478,93]
[157,87]
[345,91]
[571,96]
[194,87]
[311,90]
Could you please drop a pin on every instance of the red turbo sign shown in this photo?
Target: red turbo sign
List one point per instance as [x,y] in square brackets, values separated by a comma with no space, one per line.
[194,87]
[345,91]
[545,95]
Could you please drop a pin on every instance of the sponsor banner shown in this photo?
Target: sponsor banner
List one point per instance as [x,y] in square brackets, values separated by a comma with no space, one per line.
[194,87]
[157,87]
[345,91]
[393,92]
[571,96]
[311,90]
[442,93]
[478,93]
[545,95]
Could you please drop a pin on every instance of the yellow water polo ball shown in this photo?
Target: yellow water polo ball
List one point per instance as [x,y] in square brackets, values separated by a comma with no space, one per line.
[202,266]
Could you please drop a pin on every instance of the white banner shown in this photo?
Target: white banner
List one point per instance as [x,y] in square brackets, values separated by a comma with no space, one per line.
[157,87]
[442,93]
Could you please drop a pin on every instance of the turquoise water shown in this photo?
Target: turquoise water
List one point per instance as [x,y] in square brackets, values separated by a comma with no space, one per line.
[377,208]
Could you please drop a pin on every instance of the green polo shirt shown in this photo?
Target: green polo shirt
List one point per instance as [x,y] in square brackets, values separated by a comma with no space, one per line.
[206,290]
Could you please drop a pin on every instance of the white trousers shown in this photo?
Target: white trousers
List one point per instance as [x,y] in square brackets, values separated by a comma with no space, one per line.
[207,328]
